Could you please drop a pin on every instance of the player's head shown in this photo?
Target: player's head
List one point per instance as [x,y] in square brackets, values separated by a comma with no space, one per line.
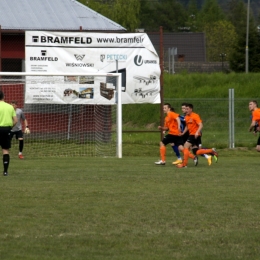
[252,105]
[183,107]
[167,107]
[2,95]
[189,109]
[14,103]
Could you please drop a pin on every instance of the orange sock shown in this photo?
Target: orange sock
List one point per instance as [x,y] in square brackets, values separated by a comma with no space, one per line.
[186,153]
[203,151]
[192,156]
[162,152]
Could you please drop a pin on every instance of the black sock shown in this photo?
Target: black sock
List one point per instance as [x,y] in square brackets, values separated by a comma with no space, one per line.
[20,146]
[6,160]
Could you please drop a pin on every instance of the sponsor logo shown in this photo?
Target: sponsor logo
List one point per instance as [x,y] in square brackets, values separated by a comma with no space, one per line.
[119,57]
[62,39]
[138,60]
[43,57]
[102,57]
[79,57]
[76,65]
[35,38]
[113,57]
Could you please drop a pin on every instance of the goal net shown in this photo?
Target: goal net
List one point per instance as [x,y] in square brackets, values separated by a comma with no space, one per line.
[67,114]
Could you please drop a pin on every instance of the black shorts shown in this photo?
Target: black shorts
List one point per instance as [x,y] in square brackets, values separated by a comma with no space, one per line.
[193,141]
[175,139]
[199,140]
[185,137]
[18,134]
[258,141]
[5,139]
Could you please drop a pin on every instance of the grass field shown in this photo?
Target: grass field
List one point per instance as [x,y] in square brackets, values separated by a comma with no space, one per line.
[108,208]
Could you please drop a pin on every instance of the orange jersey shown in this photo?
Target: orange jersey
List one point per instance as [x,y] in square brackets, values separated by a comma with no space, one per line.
[171,123]
[256,115]
[192,122]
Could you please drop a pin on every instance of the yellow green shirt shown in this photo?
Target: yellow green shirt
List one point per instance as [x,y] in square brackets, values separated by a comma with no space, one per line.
[7,113]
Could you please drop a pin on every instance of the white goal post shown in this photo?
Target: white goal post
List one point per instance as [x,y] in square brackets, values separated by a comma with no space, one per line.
[68,113]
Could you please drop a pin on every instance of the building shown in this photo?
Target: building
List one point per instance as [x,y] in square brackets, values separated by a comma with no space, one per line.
[16,17]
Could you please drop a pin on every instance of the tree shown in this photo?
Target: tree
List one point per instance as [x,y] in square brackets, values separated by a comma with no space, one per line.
[192,16]
[238,16]
[209,14]
[126,13]
[237,61]
[171,15]
[220,38]
[123,12]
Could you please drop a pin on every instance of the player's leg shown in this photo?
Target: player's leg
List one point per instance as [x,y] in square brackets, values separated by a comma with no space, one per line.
[208,157]
[178,155]
[19,136]
[166,140]
[186,152]
[258,144]
[5,142]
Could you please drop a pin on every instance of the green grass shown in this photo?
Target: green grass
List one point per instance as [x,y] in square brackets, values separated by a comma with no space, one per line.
[98,208]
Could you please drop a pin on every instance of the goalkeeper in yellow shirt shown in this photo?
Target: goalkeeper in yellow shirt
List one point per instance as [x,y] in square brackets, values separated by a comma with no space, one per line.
[17,129]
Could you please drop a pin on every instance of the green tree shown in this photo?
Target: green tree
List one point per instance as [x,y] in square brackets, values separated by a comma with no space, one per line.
[192,16]
[171,15]
[125,13]
[147,16]
[220,38]
[209,14]
[237,61]
[238,16]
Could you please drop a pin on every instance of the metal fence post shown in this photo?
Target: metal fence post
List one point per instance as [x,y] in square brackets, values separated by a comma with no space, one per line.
[231,119]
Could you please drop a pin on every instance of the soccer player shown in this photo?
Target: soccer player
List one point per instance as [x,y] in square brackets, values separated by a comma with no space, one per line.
[253,107]
[172,125]
[7,120]
[184,137]
[194,126]
[17,129]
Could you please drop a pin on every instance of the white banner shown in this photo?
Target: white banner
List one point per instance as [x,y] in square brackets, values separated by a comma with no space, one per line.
[81,52]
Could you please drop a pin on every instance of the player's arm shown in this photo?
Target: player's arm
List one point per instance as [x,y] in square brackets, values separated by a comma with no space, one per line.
[15,120]
[26,128]
[199,129]
[185,130]
[179,123]
[26,123]
[163,128]
[252,126]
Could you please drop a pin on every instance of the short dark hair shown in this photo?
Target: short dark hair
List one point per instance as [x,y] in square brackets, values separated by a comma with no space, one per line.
[167,104]
[1,95]
[190,106]
[14,102]
[184,104]
[172,109]
[255,102]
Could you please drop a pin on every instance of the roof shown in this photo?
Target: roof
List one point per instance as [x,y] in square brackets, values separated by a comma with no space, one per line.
[190,45]
[52,15]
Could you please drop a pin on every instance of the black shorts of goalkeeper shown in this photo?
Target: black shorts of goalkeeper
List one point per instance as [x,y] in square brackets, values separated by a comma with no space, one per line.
[18,134]
[5,139]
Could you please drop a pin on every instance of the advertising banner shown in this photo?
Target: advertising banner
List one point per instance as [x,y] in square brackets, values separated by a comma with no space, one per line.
[131,54]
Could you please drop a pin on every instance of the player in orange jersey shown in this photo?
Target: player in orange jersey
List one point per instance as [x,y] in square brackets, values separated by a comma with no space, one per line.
[194,126]
[253,107]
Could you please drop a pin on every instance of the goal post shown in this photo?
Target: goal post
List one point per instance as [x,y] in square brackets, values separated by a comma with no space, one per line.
[68,113]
